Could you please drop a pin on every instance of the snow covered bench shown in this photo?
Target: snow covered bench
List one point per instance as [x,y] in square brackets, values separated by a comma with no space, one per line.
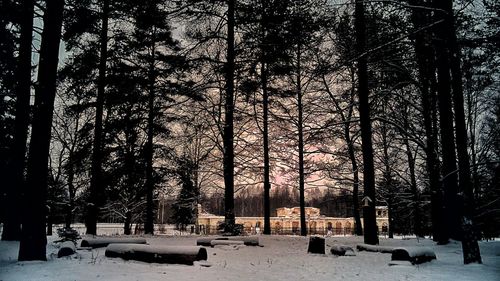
[157,254]
[99,242]
[247,240]
[415,255]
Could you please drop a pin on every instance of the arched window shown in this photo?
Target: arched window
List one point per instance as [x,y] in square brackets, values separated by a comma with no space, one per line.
[312,228]
[295,227]
[277,227]
[338,228]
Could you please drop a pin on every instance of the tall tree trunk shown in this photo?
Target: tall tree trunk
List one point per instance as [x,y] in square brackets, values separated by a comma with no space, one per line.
[417,225]
[50,220]
[149,223]
[390,218]
[470,246]
[267,180]
[96,188]
[130,167]
[33,235]
[264,77]
[346,120]
[355,186]
[370,224]
[387,174]
[451,208]
[70,171]
[71,191]
[472,118]
[228,137]
[128,223]
[426,69]
[15,178]
[354,162]
[302,203]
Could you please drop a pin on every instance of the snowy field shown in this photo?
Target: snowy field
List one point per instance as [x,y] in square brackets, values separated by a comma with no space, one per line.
[281,258]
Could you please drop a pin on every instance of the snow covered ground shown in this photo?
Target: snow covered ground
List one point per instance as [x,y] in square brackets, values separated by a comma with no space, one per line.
[281,258]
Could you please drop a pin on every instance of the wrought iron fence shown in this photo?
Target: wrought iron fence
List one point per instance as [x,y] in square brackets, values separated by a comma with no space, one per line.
[172,230]
[213,230]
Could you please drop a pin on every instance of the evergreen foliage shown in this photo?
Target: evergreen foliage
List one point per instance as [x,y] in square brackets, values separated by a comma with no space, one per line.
[185,207]
[246,106]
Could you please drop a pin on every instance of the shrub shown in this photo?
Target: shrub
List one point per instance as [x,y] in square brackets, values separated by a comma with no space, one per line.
[68,234]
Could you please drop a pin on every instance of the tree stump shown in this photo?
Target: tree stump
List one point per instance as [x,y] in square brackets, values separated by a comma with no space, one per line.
[316,245]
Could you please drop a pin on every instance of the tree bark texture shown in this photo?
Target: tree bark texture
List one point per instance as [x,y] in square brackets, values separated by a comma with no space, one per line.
[417,220]
[300,129]
[33,236]
[127,225]
[452,211]
[267,180]
[228,137]
[355,186]
[370,224]
[470,246]
[426,71]
[15,179]
[149,223]
[96,188]
[388,180]
[68,219]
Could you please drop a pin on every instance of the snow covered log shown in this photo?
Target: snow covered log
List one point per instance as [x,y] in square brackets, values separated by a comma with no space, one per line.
[207,241]
[374,248]
[67,248]
[415,255]
[247,240]
[342,250]
[157,254]
[316,245]
[105,241]
[226,243]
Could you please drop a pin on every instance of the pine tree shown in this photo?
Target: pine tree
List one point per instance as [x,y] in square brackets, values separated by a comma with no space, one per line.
[185,206]
[264,37]
[96,188]
[157,53]
[303,25]
[450,180]
[467,231]
[370,225]
[8,42]
[424,55]
[12,225]
[228,135]
[344,103]
[33,236]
